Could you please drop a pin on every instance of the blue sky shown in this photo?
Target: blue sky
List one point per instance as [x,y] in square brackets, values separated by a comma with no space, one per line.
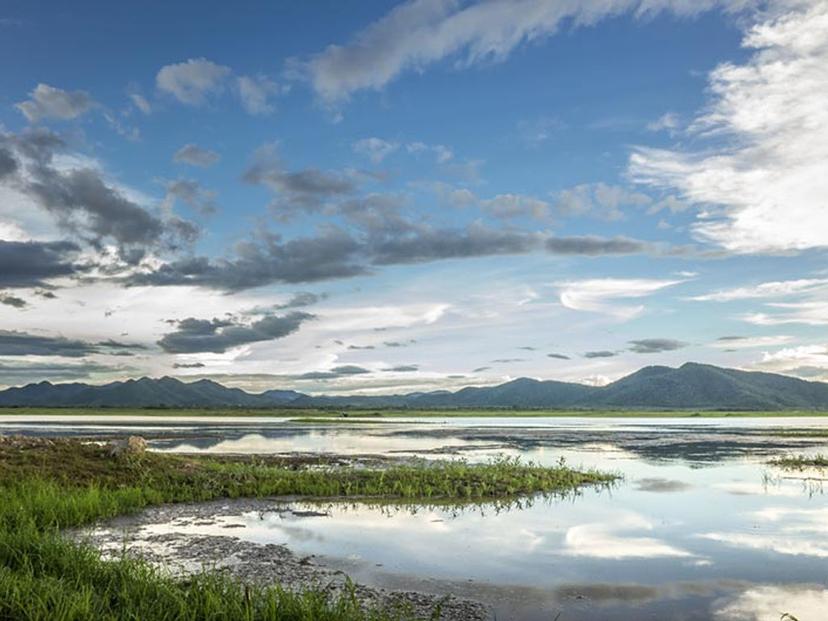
[411,196]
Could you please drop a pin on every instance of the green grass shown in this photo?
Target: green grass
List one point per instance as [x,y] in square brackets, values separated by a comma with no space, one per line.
[307,415]
[50,485]
[801,462]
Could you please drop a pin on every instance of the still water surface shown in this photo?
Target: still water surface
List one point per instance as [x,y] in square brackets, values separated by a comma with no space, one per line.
[701,527]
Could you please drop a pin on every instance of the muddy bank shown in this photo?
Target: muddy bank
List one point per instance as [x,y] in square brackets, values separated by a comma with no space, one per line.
[148,536]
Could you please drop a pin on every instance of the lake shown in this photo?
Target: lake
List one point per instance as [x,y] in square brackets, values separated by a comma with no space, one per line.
[700,526]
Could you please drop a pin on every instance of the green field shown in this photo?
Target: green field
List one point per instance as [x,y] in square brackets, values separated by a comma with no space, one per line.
[328,415]
[47,485]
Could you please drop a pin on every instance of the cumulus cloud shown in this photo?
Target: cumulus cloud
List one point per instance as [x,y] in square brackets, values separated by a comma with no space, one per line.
[196,156]
[418,33]
[48,102]
[761,182]
[193,195]
[375,149]
[600,200]
[655,346]
[304,190]
[516,206]
[256,93]
[84,202]
[598,295]
[192,82]
[219,335]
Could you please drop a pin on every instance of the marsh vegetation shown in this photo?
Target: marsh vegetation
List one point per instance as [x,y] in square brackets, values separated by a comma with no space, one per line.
[48,485]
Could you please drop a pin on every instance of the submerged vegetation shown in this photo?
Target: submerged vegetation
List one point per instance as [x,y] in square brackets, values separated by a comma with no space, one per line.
[47,485]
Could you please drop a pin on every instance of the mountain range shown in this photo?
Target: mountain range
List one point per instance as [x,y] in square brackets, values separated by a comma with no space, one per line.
[691,386]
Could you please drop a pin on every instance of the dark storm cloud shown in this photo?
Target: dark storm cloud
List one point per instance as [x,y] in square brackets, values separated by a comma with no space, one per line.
[403,368]
[25,372]
[528,348]
[302,299]
[334,373]
[558,356]
[433,244]
[84,203]
[14,343]
[218,335]
[361,347]
[188,365]
[654,346]
[262,262]
[305,190]
[481,369]
[508,360]
[28,264]
[589,245]
[600,354]
[8,163]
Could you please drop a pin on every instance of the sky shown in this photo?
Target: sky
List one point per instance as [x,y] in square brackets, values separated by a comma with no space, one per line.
[382,197]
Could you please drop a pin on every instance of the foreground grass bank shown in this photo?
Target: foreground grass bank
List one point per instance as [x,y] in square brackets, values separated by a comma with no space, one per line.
[49,485]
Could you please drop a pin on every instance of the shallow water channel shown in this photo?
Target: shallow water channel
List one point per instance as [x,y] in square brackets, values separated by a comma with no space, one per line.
[700,527]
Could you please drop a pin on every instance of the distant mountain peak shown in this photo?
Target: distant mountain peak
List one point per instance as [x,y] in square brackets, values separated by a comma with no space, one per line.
[692,385]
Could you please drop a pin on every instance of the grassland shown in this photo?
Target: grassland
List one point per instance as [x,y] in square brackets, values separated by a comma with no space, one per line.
[327,414]
[50,485]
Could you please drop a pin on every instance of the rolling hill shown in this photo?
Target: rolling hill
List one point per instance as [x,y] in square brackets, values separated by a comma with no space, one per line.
[692,385]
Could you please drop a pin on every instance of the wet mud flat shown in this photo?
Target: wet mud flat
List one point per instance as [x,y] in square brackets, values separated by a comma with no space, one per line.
[147,536]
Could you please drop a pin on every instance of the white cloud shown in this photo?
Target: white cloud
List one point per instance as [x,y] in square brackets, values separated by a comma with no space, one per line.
[255,94]
[668,121]
[375,149]
[516,206]
[441,152]
[419,33]
[196,156]
[771,289]
[608,541]
[598,295]
[48,102]
[141,103]
[598,199]
[768,603]
[809,313]
[763,185]
[192,81]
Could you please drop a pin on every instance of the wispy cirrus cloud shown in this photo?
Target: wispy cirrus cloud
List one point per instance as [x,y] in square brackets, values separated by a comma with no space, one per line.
[760,184]
[601,295]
